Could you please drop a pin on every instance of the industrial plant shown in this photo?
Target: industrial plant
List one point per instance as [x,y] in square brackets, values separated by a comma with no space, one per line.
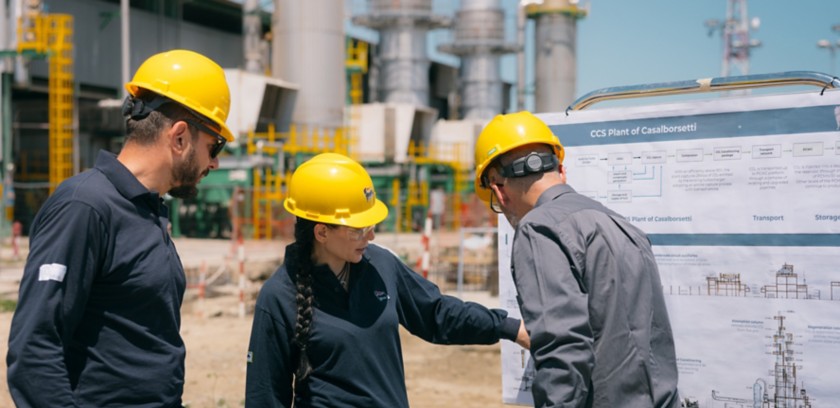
[365,79]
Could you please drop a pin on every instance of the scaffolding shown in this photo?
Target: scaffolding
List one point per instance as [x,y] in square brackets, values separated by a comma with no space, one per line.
[52,35]
[356,66]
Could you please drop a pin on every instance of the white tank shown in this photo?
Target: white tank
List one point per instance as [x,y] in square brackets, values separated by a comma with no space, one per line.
[308,49]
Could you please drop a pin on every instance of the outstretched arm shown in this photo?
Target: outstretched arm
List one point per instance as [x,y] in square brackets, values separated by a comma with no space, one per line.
[442,319]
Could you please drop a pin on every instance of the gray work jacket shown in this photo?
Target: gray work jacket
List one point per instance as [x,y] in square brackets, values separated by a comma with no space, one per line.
[591,298]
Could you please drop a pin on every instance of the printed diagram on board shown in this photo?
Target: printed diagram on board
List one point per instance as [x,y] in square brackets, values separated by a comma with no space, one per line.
[632,175]
[528,373]
[787,285]
[785,385]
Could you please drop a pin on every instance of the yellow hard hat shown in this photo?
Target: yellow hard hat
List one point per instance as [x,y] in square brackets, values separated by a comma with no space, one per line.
[190,79]
[505,133]
[333,189]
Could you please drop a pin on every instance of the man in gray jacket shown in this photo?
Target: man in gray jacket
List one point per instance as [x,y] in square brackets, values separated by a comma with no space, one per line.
[587,282]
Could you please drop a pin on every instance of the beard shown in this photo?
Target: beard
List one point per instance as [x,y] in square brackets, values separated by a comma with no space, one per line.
[186,176]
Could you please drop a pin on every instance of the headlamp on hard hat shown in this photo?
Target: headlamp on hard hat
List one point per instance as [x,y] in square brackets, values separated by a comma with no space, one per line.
[508,132]
[531,164]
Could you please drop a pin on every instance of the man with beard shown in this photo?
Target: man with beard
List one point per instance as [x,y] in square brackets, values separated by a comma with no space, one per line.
[98,318]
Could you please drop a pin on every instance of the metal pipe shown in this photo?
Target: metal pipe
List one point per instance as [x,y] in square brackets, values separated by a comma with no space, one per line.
[480,41]
[707,85]
[21,69]
[252,35]
[124,42]
[5,24]
[403,64]
[520,56]
[7,166]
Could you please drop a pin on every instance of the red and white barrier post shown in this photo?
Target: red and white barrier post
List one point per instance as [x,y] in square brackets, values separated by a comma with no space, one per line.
[202,287]
[241,255]
[425,260]
[17,232]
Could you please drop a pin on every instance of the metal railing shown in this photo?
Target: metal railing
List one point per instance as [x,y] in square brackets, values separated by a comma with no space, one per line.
[719,84]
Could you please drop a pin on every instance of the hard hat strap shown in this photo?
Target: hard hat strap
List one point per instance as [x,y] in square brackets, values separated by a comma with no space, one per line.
[137,109]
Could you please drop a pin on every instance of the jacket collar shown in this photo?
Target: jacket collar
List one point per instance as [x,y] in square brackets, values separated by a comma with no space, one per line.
[553,192]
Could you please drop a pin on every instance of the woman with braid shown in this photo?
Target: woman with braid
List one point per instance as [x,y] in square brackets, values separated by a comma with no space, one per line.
[326,324]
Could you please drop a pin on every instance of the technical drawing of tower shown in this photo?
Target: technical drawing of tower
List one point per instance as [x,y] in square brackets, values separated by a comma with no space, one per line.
[786,391]
[787,286]
[786,394]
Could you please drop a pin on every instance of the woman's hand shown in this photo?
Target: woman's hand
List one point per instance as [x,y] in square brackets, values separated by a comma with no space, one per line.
[522,337]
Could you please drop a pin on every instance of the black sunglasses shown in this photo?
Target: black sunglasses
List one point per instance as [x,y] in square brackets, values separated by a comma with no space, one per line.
[220,140]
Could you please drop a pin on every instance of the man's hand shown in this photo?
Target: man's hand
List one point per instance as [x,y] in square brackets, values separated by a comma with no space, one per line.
[522,337]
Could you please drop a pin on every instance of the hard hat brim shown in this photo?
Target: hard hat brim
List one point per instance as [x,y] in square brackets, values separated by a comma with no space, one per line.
[372,216]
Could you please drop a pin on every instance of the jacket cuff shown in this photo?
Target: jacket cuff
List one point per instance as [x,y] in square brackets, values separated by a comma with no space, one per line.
[509,329]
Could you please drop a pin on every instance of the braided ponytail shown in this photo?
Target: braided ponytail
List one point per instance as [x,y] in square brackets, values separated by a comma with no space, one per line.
[301,264]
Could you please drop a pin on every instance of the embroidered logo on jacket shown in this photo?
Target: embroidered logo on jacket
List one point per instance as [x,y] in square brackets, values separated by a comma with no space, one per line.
[382,296]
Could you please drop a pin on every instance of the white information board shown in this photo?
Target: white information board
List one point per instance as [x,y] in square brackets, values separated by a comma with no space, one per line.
[741,199]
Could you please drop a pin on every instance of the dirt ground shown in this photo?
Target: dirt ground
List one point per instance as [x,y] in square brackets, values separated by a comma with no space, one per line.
[436,376]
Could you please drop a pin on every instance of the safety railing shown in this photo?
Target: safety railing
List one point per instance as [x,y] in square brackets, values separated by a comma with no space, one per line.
[719,84]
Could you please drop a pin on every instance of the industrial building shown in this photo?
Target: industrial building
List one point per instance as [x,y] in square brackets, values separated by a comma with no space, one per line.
[305,77]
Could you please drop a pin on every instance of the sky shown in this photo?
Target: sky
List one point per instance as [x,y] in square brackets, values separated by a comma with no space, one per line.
[625,42]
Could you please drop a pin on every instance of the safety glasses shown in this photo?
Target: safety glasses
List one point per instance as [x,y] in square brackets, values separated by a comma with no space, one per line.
[494,203]
[220,140]
[357,234]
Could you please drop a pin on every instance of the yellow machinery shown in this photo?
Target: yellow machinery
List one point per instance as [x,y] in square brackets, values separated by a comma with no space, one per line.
[52,35]
[356,66]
